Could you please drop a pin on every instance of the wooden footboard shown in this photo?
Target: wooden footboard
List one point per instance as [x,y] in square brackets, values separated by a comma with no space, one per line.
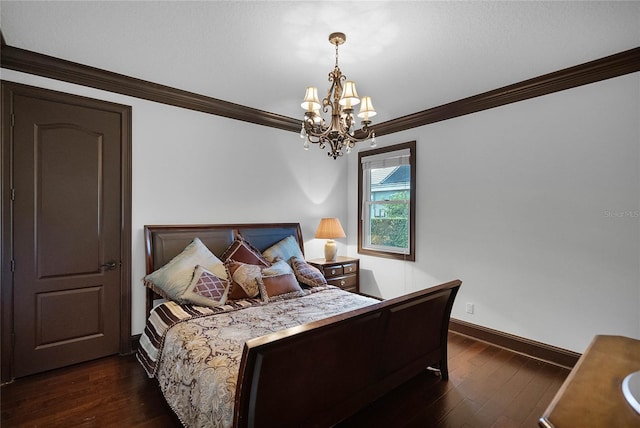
[318,374]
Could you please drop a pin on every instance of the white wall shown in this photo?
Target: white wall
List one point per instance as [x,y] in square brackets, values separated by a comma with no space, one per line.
[535,206]
[191,167]
[525,203]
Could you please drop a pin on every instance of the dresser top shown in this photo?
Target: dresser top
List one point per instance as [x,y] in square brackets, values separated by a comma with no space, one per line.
[338,260]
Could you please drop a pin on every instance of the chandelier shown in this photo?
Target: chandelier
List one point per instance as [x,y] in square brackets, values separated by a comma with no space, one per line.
[339,135]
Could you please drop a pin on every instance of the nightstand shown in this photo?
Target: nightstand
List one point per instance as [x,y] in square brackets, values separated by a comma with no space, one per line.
[344,272]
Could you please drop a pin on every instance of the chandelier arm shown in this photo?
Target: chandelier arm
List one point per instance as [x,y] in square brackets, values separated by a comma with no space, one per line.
[321,131]
[337,135]
[324,131]
[356,139]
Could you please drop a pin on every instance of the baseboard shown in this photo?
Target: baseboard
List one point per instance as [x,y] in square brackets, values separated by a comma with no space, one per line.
[531,348]
[135,341]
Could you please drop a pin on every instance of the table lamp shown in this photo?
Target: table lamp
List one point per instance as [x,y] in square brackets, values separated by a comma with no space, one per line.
[329,229]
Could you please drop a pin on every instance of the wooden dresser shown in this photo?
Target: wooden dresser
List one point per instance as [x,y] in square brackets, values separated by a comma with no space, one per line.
[344,272]
[591,396]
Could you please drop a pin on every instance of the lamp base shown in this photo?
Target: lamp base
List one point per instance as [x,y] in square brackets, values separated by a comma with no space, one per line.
[330,250]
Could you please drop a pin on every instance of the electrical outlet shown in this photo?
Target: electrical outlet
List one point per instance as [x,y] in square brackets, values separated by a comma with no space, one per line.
[469,308]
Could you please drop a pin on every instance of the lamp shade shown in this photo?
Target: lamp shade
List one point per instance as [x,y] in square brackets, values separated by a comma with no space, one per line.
[330,228]
[366,109]
[349,96]
[311,101]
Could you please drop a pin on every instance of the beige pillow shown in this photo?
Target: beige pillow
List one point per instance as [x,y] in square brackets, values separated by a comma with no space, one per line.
[172,279]
[244,279]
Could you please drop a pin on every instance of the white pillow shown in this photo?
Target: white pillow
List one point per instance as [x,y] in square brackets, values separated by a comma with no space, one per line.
[172,279]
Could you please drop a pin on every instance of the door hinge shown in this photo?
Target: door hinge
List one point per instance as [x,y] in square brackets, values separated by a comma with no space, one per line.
[12,194]
[13,119]
[13,265]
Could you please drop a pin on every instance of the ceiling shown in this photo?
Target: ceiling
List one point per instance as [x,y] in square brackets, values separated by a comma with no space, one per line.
[408,56]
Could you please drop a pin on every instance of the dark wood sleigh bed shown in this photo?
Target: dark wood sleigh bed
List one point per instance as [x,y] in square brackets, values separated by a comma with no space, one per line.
[318,374]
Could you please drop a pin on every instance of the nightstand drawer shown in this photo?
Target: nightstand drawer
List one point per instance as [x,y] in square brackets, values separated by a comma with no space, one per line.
[349,268]
[330,271]
[344,272]
[347,281]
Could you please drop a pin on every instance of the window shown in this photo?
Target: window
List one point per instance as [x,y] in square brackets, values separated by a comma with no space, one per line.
[386,191]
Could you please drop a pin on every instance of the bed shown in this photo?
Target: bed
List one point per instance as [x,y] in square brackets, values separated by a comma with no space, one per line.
[307,358]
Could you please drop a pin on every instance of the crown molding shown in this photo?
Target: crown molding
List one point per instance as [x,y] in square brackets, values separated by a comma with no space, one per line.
[590,72]
[55,68]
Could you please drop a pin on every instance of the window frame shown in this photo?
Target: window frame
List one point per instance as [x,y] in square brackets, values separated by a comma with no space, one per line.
[379,252]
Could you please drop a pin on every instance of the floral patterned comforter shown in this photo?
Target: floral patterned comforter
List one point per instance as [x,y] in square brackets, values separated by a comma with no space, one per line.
[197,367]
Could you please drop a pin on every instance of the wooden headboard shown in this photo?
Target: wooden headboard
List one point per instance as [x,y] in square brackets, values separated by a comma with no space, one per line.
[162,243]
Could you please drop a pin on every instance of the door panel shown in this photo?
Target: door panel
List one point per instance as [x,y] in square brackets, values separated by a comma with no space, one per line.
[57,311]
[67,217]
[68,187]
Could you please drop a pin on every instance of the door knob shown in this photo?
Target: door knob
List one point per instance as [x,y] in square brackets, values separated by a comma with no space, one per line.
[110,265]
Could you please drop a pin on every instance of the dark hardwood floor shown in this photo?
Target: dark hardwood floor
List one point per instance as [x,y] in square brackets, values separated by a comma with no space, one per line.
[488,387]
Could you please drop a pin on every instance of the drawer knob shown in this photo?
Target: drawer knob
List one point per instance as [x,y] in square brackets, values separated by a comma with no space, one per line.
[342,283]
[333,271]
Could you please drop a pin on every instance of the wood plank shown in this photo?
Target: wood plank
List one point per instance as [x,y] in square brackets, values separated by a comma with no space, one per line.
[109,391]
[592,395]
[488,387]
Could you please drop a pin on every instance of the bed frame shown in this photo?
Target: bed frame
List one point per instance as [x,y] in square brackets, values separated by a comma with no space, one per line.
[162,243]
[320,373]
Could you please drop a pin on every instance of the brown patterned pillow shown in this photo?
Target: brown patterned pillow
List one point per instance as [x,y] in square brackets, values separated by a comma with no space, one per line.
[242,251]
[278,287]
[244,279]
[307,274]
[206,289]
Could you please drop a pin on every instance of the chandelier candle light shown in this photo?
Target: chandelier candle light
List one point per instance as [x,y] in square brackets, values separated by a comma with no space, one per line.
[339,135]
[329,229]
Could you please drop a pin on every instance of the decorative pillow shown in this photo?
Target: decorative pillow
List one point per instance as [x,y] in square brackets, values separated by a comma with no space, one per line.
[283,250]
[206,289]
[172,279]
[307,274]
[278,268]
[244,279]
[242,251]
[279,287]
